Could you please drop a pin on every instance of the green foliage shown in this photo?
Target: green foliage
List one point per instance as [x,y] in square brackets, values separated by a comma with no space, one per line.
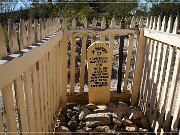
[163,9]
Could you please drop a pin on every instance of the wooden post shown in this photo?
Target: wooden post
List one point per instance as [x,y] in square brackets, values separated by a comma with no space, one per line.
[138,68]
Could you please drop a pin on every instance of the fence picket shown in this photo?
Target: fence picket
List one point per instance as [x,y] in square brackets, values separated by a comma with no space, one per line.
[94,23]
[128,62]
[72,74]
[113,23]
[163,27]
[36,31]
[169,25]
[158,23]
[23,36]
[13,44]
[133,22]
[151,23]
[141,22]
[103,23]
[1,124]
[21,103]
[83,58]
[35,88]
[172,92]
[64,45]
[29,101]
[7,95]
[176,25]
[147,23]
[30,38]
[74,23]
[3,50]
[85,23]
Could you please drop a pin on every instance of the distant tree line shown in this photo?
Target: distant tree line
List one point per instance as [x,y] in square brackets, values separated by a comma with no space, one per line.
[48,9]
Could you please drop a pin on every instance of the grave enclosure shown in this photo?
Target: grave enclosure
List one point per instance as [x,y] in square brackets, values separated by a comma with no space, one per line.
[34,71]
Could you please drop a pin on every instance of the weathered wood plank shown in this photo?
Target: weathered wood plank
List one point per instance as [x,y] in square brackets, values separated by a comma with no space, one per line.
[138,68]
[72,74]
[45,93]
[173,92]
[109,32]
[7,95]
[21,103]
[1,125]
[21,64]
[64,45]
[83,58]
[3,49]
[35,88]
[29,101]
[168,38]
[23,36]
[128,62]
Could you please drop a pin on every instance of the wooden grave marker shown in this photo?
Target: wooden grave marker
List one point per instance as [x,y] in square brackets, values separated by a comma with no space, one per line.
[99,73]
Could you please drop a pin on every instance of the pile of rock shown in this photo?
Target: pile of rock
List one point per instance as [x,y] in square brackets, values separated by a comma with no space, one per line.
[114,118]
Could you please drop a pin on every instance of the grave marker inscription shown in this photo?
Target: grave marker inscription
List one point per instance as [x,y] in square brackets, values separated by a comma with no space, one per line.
[99,73]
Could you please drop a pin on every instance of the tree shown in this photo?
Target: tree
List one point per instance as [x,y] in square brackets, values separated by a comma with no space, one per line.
[167,7]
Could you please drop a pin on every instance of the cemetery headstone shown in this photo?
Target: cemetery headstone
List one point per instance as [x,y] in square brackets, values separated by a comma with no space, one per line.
[99,73]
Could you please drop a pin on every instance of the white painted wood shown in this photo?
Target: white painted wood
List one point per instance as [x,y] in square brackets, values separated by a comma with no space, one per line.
[21,64]
[159,23]
[173,92]
[154,23]
[151,23]
[176,25]
[167,38]
[169,25]
[147,23]
[163,27]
